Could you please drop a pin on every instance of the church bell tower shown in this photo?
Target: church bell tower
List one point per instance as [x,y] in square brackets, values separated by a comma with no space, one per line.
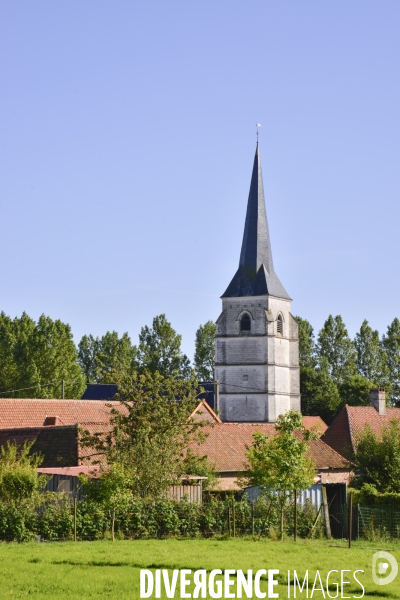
[257,351]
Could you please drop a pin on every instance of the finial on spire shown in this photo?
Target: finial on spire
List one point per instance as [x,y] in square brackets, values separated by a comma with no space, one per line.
[257,126]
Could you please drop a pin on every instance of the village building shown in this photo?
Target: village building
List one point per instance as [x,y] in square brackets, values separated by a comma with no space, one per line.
[342,435]
[54,427]
[225,445]
[256,346]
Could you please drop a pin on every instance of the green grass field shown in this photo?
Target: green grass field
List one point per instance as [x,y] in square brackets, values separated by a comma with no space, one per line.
[111,570]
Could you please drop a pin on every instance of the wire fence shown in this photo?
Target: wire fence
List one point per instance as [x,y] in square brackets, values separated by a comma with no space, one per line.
[377,522]
[67,518]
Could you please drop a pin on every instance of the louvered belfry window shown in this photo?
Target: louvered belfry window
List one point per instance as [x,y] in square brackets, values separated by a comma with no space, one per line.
[279,325]
[245,323]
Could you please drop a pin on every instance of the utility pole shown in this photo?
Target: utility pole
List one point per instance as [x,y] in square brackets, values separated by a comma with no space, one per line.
[62,389]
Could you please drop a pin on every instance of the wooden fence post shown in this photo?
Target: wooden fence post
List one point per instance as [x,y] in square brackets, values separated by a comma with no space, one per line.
[295,516]
[350,517]
[234,517]
[75,505]
[326,513]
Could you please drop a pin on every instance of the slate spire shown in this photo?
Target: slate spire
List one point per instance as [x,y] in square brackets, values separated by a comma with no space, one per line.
[255,275]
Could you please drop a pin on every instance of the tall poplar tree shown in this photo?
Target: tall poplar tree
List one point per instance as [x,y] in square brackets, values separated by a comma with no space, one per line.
[391,343]
[204,356]
[160,349]
[336,350]
[103,358]
[307,355]
[372,359]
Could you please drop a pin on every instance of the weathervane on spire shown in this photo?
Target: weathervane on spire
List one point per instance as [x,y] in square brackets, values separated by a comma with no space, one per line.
[257,126]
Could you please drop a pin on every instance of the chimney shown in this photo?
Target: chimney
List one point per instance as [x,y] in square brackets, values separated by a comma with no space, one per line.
[377,399]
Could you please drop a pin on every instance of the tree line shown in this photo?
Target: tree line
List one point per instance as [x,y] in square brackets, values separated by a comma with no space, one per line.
[35,356]
[336,370]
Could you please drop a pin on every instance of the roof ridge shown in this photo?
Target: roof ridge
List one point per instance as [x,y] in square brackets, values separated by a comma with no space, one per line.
[351,428]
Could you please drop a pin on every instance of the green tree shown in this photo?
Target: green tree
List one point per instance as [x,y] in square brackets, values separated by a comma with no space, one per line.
[371,356]
[87,352]
[377,458]
[391,343]
[194,464]
[307,355]
[112,489]
[103,358]
[280,464]
[36,357]
[336,350]
[204,356]
[160,349]
[150,431]
[19,480]
[8,361]
[319,394]
[355,390]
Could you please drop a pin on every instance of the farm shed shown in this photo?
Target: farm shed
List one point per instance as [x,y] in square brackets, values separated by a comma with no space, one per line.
[66,480]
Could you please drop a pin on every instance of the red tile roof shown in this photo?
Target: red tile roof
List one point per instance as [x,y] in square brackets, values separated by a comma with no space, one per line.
[359,416]
[315,422]
[351,421]
[226,445]
[91,471]
[23,412]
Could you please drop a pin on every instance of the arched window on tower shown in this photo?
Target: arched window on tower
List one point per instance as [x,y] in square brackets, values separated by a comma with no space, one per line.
[245,323]
[279,325]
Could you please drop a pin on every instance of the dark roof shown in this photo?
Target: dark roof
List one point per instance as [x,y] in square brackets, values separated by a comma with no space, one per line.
[100,391]
[57,445]
[208,395]
[255,275]
[350,423]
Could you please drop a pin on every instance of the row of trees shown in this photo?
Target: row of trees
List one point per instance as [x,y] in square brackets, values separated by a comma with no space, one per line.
[159,349]
[336,370]
[36,356]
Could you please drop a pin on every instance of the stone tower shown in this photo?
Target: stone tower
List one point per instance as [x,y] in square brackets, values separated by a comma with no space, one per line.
[257,352]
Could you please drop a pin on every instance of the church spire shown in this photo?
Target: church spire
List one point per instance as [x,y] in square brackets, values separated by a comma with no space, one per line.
[255,275]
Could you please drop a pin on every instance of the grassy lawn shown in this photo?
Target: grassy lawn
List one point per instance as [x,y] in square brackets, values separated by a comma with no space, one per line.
[111,570]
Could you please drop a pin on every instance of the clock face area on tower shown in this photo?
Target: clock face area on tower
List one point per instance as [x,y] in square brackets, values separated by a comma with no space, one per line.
[256,344]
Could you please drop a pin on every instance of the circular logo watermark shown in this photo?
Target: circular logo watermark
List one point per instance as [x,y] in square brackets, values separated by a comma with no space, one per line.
[381,561]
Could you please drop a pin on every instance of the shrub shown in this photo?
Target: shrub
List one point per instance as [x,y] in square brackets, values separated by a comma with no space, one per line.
[18,522]
[56,519]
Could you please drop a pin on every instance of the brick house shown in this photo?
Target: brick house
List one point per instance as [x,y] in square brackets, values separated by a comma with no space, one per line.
[226,444]
[342,434]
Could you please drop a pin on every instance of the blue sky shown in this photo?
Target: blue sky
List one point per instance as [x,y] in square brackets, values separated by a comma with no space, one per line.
[127,135]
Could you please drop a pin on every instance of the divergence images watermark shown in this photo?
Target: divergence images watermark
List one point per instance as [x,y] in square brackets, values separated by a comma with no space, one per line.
[381,574]
[246,584]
